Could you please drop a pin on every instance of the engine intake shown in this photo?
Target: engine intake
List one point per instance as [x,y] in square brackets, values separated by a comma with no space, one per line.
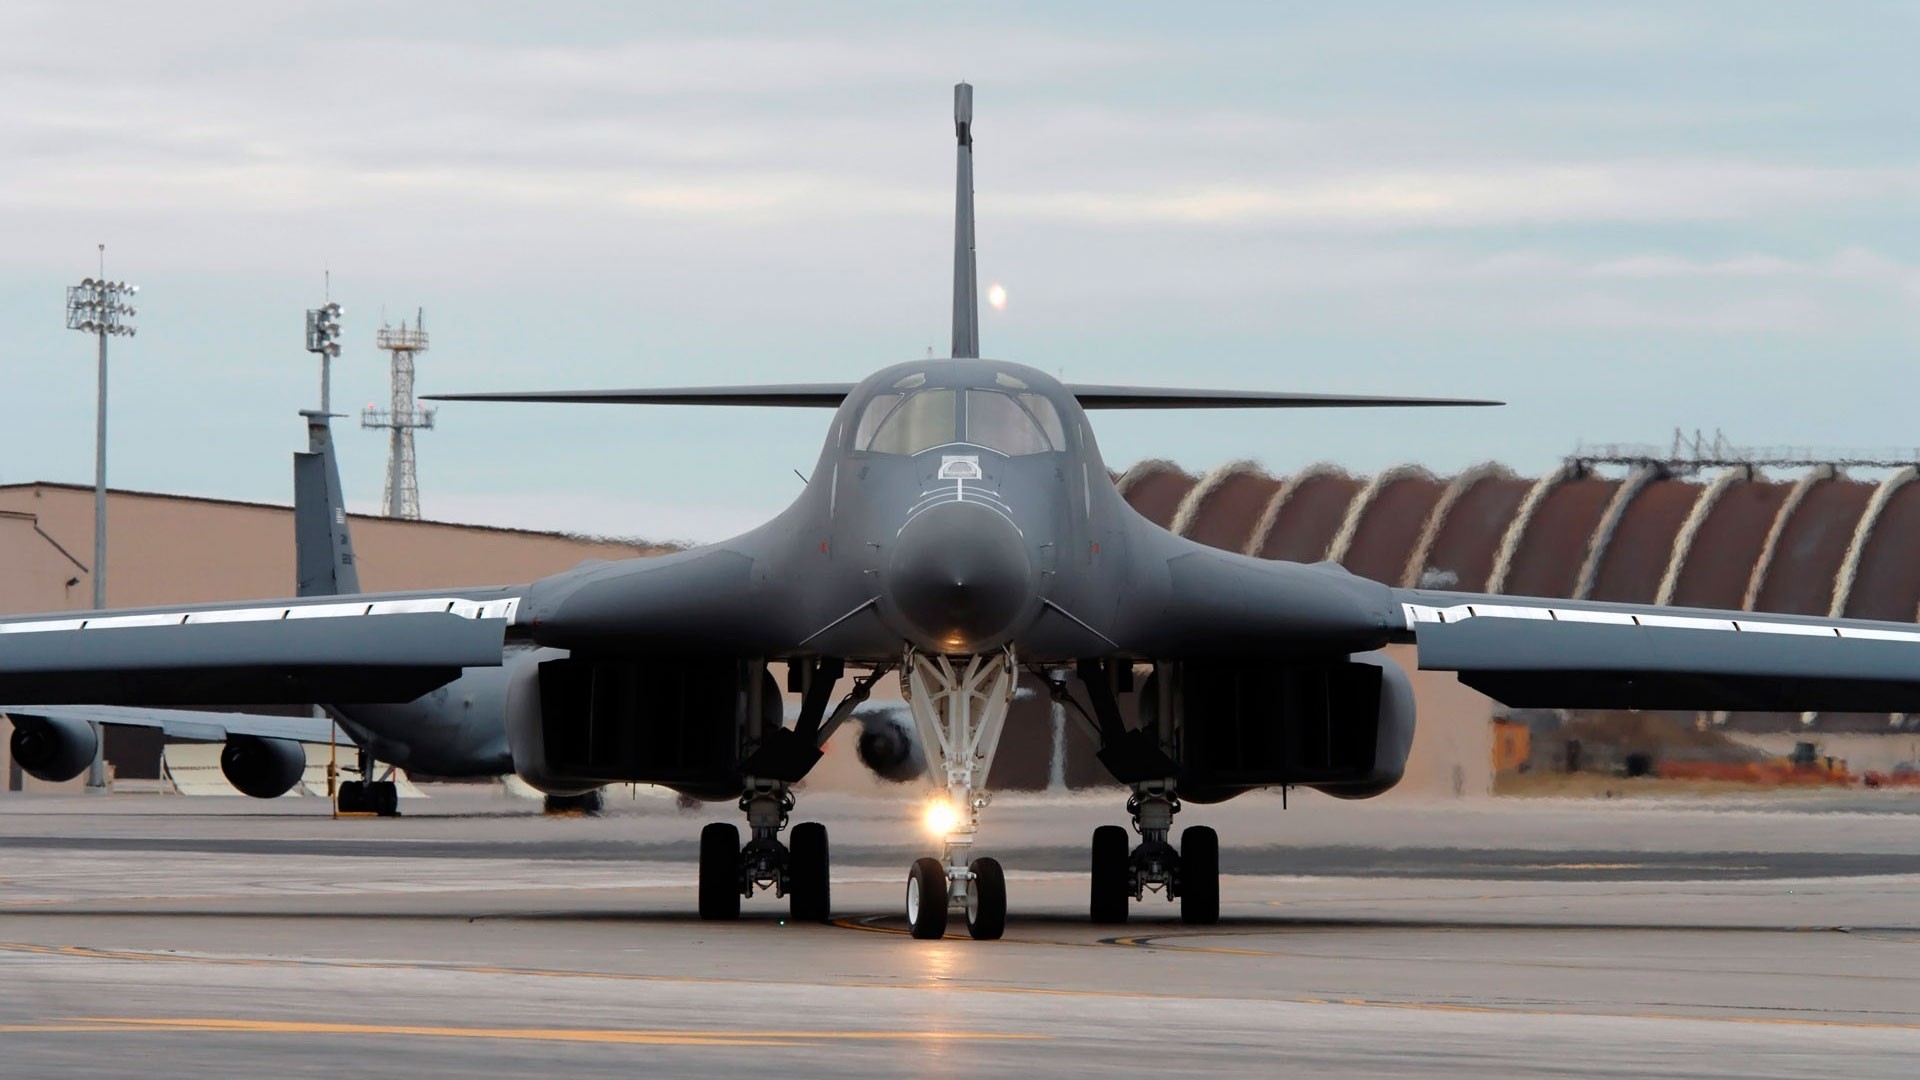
[262,768]
[575,723]
[887,745]
[53,748]
[1343,727]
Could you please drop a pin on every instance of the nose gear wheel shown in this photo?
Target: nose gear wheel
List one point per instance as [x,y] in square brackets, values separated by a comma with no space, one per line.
[959,707]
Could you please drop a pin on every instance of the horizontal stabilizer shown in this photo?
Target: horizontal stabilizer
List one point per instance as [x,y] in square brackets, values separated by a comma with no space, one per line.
[1150,397]
[830,395]
[779,395]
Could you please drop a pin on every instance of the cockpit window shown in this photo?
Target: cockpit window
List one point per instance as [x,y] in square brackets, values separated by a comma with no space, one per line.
[870,418]
[925,419]
[998,422]
[1043,411]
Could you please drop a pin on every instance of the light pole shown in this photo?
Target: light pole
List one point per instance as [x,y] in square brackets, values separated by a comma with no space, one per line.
[323,340]
[100,307]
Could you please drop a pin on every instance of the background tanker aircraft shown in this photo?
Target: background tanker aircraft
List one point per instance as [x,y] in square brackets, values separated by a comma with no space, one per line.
[958,527]
[456,731]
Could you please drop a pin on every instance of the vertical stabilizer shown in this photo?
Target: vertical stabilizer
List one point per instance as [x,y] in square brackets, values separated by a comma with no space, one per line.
[966,300]
[323,548]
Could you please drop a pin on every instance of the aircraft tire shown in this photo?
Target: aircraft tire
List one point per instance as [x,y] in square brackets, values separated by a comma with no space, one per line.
[987,901]
[809,878]
[384,797]
[590,803]
[1111,856]
[720,872]
[351,798]
[927,899]
[1199,876]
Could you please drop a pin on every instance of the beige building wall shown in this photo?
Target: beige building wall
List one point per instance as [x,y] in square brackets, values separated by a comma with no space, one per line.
[170,549]
[1452,752]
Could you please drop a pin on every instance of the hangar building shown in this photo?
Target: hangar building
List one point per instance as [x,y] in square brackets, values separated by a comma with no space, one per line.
[1818,543]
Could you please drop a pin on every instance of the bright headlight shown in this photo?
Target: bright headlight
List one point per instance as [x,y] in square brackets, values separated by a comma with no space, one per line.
[941,817]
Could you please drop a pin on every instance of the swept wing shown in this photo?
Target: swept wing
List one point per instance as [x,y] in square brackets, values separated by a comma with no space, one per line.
[191,723]
[372,648]
[1528,652]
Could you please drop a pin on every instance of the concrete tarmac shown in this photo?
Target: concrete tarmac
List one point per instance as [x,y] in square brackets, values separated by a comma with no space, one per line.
[226,937]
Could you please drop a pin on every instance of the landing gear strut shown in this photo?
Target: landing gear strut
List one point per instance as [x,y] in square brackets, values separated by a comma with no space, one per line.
[798,870]
[367,795]
[1190,875]
[776,757]
[959,707]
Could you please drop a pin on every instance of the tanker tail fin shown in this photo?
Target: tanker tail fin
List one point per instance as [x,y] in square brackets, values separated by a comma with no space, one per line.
[323,547]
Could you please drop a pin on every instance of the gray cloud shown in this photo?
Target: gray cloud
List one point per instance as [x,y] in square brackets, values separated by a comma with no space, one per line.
[1492,197]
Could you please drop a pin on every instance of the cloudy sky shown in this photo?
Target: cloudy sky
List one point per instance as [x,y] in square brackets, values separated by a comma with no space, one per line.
[1620,217]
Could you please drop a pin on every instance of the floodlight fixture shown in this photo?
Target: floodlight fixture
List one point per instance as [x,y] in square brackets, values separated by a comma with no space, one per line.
[323,340]
[99,307]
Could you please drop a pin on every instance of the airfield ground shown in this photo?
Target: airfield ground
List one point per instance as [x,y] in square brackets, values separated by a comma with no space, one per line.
[1744,937]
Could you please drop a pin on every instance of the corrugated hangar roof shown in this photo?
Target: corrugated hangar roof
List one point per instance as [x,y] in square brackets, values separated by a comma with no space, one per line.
[1817,543]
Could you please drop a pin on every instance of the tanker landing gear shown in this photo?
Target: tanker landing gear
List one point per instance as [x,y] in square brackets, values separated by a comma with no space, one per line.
[1190,875]
[797,870]
[367,795]
[959,707]
[585,804]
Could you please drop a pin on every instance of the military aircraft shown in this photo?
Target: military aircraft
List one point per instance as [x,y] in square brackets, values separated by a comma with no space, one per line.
[264,755]
[457,730]
[958,528]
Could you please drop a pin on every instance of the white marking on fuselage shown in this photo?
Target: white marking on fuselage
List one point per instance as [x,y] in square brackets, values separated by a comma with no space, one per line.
[959,467]
[960,493]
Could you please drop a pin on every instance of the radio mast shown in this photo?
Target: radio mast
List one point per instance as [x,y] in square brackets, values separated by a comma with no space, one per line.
[402,418]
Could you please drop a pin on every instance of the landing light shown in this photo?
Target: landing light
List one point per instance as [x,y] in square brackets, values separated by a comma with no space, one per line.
[941,817]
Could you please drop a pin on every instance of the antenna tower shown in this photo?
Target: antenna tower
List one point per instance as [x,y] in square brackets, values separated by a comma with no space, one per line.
[402,419]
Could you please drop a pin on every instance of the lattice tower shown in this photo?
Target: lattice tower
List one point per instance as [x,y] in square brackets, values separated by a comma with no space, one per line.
[402,418]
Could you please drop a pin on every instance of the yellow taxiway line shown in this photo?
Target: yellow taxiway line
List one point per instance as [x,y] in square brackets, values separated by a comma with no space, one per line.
[620,1036]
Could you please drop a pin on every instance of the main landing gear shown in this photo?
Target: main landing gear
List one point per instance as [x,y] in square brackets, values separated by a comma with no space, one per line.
[797,870]
[776,757]
[1190,875]
[367,795]
[959,707]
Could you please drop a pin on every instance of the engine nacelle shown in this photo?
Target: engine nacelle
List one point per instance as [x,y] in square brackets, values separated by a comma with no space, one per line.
[887,745]
[576,723]
[51,748]
[1343,727]
[1393,717]
[262,768]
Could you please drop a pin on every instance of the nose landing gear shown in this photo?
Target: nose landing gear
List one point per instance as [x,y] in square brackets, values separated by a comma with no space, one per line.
[959,708]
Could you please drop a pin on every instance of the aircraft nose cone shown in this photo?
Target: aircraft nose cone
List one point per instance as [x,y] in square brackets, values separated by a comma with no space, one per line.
[960,576]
